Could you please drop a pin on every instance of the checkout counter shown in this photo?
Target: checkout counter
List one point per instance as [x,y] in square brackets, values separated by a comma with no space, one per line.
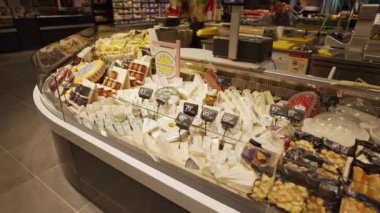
[349,66]
[297,50]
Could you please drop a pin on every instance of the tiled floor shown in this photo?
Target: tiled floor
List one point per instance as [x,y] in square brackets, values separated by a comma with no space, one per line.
[31,178]
[31,171]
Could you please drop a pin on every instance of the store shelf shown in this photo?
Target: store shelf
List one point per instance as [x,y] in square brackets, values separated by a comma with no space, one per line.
[151,10]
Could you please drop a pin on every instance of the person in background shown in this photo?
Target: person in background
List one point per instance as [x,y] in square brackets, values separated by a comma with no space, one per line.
[281,14]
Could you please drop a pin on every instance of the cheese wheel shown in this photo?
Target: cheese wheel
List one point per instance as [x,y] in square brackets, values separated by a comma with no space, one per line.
[92,72]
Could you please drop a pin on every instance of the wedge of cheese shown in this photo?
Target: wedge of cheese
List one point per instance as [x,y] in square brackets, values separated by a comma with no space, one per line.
[92,72]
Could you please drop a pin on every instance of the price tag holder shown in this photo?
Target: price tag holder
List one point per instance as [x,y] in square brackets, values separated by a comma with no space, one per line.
[190,109]
[295,115]
[229,120]
[145,93]
[209,115]
[162,99]
[329,100]
[224,81]
[184,121]
[277,110]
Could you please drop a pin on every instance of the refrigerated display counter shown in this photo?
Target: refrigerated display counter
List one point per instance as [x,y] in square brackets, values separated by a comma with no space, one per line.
[221,137]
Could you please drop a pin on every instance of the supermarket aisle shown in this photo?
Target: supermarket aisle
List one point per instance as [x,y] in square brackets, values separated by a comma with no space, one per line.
[31,178]
[31,168]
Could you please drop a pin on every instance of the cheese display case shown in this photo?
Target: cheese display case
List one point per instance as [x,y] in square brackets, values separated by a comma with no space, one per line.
[223,140]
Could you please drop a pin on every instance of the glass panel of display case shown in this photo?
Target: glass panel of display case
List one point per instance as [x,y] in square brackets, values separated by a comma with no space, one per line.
[51,93]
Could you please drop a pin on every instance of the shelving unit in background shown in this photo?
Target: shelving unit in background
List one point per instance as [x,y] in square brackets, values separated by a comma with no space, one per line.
[134,11]
[102,10]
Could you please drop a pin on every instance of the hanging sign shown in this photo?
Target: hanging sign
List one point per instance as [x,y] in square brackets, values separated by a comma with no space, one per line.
[167,56]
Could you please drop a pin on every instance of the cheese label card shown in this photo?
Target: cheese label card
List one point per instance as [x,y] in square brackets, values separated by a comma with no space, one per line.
[145,93]
[224,81]
[162,99]
[329,100]
[190,109]
[229,120]
[183,121]
[209,115]
[277,110]
[295,115]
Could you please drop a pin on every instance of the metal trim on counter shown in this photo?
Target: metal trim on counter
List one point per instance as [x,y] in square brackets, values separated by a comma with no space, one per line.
[135,24]
[250,69]
[8,30]
[66,27]
[178,186]
[206,56]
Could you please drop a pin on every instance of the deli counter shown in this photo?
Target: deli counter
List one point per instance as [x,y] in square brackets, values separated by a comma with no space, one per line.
[221,136]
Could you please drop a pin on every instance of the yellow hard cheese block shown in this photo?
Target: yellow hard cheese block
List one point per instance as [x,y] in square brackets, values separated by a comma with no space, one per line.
[208,31]
[92,72]
[297,39]
[324,52]
[283,45]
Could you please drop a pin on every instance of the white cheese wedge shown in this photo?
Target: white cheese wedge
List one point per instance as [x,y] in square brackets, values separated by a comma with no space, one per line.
[156,79]
[156,133]
[175,154]
[151,144]
[170,137]
[240,175]
[127,128]
[149,125]
[187,90]
[176,82]
[137,135]
[196,145]
[206,144]
[225,103]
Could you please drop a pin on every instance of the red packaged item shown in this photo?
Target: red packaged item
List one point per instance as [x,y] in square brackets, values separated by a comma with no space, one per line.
[59,77]
[307,101]
[210,78]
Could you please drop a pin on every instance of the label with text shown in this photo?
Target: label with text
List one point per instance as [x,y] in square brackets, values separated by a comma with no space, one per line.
[184,121]
[229,120]
[295,115]
[277,110]
[209,115]
[162,99]
[145,93]
[190,109]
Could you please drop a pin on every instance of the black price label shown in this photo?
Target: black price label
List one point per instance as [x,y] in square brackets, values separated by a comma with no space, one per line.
[162,99]
[329,100]
[145,93]
[209,115]
[190,109]
[229,120]
[184,121]
[224,81]
[295,115]
[277,110]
